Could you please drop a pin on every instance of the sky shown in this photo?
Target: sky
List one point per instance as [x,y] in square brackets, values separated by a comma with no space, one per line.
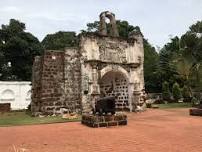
[159,20]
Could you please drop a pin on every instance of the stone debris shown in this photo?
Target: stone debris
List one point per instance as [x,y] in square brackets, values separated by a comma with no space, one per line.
[70,116]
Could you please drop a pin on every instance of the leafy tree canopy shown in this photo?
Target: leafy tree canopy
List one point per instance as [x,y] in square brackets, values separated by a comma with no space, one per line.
[180,59]
[60,40]
[17,51]
[124,28]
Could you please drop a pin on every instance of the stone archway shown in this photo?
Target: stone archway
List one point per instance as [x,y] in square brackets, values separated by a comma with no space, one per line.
[115,83]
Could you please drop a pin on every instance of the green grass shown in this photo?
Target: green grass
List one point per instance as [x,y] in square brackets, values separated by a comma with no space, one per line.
[22,118]
[174,105]
[15,118]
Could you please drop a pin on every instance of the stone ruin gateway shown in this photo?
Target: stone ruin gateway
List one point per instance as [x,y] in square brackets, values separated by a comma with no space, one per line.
[104,64]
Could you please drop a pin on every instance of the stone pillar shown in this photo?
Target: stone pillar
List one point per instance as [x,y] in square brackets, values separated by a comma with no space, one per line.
[36,89]
[95,88]
[114,31]
[135,99]
[103,27]
[95,92]
[130,96]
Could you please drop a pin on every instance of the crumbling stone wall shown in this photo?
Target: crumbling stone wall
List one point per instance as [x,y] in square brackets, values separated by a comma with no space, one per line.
[36,84]
[104,54]
[56,82]
[72,80]
[52,82]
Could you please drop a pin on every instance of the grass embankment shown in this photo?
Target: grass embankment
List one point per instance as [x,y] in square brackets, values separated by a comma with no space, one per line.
[15,118]
[174,105]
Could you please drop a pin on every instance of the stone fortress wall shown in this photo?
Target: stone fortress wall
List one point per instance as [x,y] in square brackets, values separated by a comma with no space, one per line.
[56,82]
[103,65]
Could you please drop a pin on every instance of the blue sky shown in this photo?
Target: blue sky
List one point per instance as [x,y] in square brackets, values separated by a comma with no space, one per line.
[158,19]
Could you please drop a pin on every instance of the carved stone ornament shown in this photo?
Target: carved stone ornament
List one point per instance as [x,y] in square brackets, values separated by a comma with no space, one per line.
[112,52]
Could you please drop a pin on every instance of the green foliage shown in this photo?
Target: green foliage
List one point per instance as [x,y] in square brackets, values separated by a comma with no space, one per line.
[124,28]
[176,91]
[186,93]
[165,57]
[174,105]
[166,91]
[93,27]
[60,40]
[195,101]
[17,51]
[152,74]
[180,60]
[16,118]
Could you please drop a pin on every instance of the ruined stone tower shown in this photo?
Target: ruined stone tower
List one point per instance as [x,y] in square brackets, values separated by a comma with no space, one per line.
[103,65]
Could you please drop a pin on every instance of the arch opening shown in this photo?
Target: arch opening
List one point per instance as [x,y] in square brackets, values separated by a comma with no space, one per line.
[115,83]
[113,31]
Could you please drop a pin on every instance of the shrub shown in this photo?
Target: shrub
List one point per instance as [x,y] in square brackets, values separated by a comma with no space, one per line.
[186,93]
[148,105]
[166,91]
[176,91]
[194,101]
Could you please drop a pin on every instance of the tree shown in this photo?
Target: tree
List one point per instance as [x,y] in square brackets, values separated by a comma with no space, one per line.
[186,93]
[166,91]
[93,27]
[176,91]
[180,59]
[152,75]
[124,28]
[165,57]
[18,49]
[60,40]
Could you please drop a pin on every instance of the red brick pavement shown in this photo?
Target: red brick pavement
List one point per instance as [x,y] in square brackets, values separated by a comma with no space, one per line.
[151,131]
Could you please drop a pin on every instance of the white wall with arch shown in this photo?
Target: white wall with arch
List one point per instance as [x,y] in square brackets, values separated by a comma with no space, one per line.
[17,93]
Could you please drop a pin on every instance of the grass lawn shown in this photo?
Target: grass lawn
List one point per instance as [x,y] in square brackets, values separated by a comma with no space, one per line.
[15,118]
[174,105]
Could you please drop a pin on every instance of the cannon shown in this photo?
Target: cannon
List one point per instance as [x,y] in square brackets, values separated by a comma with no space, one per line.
[105,105]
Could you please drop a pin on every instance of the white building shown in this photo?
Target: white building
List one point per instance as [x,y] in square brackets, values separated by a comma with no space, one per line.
[18,93]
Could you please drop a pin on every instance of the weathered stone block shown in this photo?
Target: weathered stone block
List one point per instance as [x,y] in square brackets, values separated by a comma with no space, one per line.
[5,107]
[109,118]
[103,121]
[112,123]
[195,112]
[102,124]
[122,122]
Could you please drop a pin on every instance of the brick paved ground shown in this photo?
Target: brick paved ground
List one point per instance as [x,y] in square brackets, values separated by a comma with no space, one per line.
[151,131]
